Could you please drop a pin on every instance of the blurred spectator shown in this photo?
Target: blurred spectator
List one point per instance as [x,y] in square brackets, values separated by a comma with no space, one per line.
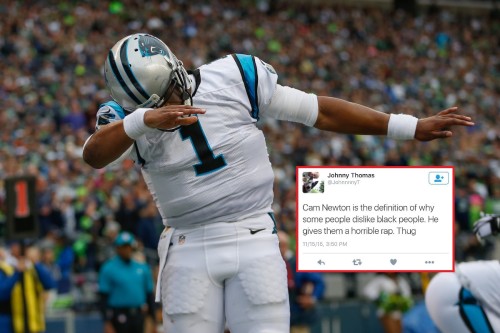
[418,320]
[392,295]
[126,289]
[59,259]
[148,225]
[105,246]
[127,214]
[305,290]
[462,209]
[22,285]
[492,205]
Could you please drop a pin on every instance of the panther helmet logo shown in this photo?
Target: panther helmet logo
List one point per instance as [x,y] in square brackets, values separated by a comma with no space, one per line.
[150,46]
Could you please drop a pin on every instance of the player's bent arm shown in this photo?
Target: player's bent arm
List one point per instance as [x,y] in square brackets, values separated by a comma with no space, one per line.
[106,145]
[112,140]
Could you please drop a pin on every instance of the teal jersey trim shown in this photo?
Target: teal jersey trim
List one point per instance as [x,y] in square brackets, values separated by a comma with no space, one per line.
[248,70]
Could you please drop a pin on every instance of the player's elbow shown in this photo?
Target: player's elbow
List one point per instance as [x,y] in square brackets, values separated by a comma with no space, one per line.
[91,159]
[325,122]
[328,114]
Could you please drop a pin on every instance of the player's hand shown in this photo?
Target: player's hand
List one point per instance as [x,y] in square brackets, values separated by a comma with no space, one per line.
[438,126]
[487,225]
[171,116]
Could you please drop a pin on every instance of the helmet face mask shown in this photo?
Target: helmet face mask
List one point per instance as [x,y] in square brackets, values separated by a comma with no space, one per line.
[140,71]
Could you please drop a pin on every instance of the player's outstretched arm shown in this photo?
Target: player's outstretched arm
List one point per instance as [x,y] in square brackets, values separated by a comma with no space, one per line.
[341,116]
[112,140]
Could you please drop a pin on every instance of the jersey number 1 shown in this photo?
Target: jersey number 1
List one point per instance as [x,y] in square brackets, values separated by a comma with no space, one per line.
[208,161]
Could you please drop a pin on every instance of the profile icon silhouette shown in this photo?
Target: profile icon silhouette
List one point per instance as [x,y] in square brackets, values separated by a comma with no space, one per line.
[439,179]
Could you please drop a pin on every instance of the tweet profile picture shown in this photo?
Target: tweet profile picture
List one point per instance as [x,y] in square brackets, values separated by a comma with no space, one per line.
[311,182]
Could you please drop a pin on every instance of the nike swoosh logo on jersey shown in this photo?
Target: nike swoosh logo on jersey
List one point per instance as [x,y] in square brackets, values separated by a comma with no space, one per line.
[254,231]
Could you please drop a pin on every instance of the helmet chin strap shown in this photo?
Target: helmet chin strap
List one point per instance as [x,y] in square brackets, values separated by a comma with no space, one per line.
[184,81]
[187,98]
[151,102]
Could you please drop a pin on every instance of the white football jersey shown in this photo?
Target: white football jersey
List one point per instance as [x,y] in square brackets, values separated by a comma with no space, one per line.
[218,169]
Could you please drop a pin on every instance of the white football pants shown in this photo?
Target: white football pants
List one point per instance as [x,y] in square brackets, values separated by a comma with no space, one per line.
[225,273]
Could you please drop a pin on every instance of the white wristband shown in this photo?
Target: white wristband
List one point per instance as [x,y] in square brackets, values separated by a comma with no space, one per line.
[134,125]
[402,127]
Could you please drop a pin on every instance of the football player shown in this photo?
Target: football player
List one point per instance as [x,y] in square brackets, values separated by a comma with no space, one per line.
[468,300]
[206,164]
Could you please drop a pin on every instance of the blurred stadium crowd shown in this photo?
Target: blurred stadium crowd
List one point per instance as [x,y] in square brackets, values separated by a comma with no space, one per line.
[51,60]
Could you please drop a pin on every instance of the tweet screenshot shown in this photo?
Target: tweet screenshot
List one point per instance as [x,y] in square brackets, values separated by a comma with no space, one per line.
[359,219]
